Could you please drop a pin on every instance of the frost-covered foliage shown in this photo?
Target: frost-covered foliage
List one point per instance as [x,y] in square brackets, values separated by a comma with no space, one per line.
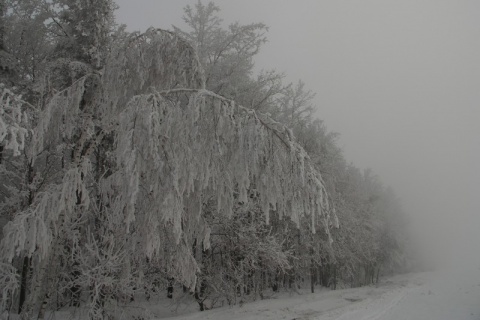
[210,145]
[173,144]
[9,284]
[83,28]
[244,256]
[25,38]
[13,121]
[226,53]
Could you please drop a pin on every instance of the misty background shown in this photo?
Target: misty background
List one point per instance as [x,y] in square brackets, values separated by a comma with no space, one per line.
[400,82]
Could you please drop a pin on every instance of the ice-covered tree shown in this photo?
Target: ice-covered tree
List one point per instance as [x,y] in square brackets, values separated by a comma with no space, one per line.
[296,106]
[84,28]
[226,54]
[13,121]
[27,38]
[174,144]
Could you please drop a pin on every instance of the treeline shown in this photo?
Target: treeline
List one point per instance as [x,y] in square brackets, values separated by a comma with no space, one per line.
[135,164]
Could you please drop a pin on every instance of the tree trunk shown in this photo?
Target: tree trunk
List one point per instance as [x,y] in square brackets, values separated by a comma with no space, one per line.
[2,28]
[98,306]
[291,280]
[37,291]
[199,294]
[26,260]
[365,278]
[43,307]
[75,290]
[199,301]
[275,283]
[320,275]
[312,276]
[23,283]
[325,275]
[170,288]
[334,277]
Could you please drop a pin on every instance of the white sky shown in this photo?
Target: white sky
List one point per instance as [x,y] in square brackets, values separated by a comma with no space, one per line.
[399,80]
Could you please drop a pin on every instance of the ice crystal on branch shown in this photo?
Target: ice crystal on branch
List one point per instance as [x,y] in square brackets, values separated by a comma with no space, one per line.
[143,146]
[209,145]
[13,121]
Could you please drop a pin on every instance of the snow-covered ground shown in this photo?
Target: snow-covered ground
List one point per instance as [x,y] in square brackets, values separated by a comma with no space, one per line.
[446,295]
[442,295]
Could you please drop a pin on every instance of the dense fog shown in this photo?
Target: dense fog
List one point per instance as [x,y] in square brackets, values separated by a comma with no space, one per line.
[398,80]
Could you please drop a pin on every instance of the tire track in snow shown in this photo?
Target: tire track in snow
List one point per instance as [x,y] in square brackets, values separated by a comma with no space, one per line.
[369,309]
[395,301]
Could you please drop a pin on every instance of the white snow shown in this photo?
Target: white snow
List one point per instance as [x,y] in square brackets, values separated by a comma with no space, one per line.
[453,295]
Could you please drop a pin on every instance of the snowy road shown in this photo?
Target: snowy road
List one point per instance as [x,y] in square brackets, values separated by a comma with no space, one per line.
[370,309]
[426,296]
[423,296]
